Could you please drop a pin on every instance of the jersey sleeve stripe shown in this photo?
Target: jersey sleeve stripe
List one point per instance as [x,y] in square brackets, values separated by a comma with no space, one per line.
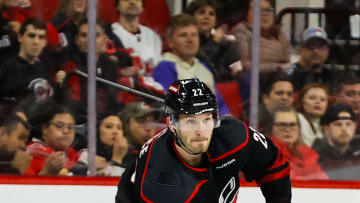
[196,190]
[144,174]
[280,160]
[275,176]
[275,170]
[234,150]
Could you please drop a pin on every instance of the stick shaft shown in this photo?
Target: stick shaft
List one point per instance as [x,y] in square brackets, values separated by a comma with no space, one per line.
[122,87]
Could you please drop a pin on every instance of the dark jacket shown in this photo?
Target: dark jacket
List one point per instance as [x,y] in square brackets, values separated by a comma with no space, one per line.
[300,76]
[9,44]
[339,166]
[219,56]
[16,74]
[74,91]
[67,30]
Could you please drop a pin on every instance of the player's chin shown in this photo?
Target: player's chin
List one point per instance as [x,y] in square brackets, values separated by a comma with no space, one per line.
[201,146]
[199,150]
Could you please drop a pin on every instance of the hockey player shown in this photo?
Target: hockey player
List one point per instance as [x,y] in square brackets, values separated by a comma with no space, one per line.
[199,156]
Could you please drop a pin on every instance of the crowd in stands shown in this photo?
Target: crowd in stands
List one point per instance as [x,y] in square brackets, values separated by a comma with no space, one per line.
[311,112]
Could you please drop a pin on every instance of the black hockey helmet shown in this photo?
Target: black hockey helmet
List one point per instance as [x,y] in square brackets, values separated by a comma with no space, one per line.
[191,96]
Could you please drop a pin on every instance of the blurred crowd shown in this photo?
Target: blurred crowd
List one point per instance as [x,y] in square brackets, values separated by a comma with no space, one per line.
[310,111]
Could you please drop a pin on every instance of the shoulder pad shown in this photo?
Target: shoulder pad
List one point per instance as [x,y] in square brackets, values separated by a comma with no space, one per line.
[230,137]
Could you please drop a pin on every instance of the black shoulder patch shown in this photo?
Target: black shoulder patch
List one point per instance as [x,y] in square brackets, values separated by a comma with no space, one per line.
[166,178]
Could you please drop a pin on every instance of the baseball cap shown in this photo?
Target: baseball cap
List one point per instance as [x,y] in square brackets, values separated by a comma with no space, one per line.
[139,110]
[314,32]
[332,114]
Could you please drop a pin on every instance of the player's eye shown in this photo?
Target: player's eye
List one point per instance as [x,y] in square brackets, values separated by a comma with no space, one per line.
[207,120]
[190,121]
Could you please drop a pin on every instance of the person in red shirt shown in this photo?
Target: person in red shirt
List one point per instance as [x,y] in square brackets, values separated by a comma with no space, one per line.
[285,134]
[17,12]
[52,153]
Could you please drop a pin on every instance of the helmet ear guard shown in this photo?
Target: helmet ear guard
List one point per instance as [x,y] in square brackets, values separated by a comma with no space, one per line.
[217,120]
[171,114]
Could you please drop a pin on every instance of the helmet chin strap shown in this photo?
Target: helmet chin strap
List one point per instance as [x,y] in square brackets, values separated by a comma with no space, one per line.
[181,144]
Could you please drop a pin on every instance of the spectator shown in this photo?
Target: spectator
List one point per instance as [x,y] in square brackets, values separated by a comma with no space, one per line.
[346,89]
[286,135]
[128,76]
[8,37]
[23,76]
[75,87]
[216,49]
[53,154]
[14,134]
[142,43]
[8,107]
[313,51]
[311,105]
[181,63]
[17,12]
[277,91]
[66,21]
[274,47]
[113,151]
[138,119]
[339,151]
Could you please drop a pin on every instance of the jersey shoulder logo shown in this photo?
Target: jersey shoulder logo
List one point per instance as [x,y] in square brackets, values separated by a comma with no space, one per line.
[259,137]
[145,147]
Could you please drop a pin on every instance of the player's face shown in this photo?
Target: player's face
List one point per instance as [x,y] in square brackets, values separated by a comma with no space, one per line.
[340,132]
[60,132]
[141,129]
[195,131]
[281,94]
[315,102]
[205,18]
[130,7]
[32,42]
[110,128]
[82,39]
[286,127]
[350,95]
[184,42]
[14,140]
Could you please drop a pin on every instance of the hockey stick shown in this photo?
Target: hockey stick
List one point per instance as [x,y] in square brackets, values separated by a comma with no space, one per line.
[121,87]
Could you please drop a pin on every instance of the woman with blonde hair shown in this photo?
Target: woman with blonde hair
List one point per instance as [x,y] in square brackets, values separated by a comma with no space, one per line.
[312,104]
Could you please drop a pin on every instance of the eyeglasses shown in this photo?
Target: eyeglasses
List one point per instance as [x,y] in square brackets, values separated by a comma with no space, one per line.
[61,126]
[284,125]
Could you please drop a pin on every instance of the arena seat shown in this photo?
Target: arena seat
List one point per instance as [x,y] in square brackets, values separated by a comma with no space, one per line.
[231,94]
